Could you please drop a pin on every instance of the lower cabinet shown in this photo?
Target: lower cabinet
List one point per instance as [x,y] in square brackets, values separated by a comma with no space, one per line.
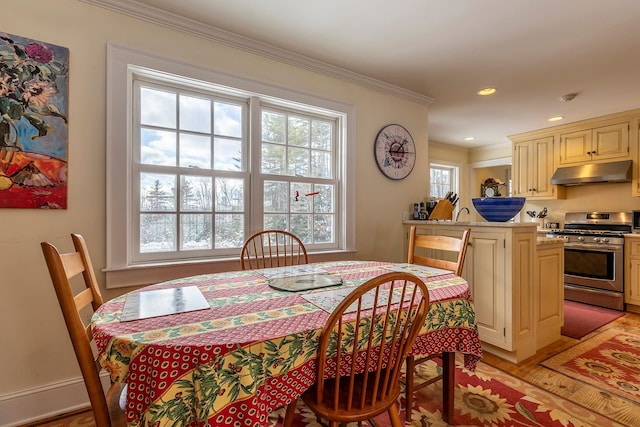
[549,292]
[499,268]
[632,273]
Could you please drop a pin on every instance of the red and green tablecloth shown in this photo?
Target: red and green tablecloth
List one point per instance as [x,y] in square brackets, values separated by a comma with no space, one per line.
[253,350]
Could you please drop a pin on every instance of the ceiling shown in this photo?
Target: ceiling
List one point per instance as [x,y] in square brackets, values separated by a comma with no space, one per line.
[532,51]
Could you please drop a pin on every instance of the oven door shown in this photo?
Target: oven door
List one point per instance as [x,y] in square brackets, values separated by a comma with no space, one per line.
[594,266]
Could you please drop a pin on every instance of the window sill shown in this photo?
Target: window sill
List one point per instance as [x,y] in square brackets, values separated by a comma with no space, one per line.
[147,274]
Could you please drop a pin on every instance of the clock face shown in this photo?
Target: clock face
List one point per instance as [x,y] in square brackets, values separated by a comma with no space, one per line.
[395,151]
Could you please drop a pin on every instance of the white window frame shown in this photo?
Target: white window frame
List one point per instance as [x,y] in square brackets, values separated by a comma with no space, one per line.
[121,64]
[455,176]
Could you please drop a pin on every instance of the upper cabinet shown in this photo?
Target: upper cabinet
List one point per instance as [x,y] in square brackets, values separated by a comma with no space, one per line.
[606,143]
[539,153]
[533,167]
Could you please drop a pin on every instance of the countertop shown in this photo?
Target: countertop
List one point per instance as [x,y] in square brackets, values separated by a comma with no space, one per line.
[471,223]
[549,241]
[541,239]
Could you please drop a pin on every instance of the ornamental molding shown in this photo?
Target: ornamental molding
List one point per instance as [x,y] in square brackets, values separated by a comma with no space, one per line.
[218,35]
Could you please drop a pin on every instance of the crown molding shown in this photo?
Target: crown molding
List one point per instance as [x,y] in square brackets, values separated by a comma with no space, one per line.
[218,35]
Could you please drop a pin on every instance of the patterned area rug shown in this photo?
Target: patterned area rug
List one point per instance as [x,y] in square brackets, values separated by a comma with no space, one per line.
[610,362]
[486,397]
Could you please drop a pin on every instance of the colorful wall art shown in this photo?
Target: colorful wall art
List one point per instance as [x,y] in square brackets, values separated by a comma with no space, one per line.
[34,82]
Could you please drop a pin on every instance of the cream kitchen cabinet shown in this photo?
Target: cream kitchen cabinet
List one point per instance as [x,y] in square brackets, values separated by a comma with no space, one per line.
[500,271]
[548,290]
[632,273]
[533,167]
[604,143]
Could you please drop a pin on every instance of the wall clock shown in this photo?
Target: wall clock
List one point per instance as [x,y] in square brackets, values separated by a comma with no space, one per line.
[395,151]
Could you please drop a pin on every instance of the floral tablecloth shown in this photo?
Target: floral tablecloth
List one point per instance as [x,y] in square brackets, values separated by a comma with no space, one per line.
[253,350]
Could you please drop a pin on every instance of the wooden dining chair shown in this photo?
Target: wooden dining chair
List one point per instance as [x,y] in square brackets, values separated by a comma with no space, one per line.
[272,248]
[457,249]
[356,393]
[63,267]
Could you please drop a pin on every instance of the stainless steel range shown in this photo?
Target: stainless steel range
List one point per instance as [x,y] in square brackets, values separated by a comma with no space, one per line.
[593,257]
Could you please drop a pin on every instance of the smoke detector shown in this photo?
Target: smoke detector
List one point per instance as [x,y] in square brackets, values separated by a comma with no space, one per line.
[568,97]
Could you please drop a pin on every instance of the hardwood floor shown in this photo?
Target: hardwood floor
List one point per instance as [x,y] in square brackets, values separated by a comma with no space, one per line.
[531,371]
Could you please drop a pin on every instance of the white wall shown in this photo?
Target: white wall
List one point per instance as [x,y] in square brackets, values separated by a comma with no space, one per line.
[36,356]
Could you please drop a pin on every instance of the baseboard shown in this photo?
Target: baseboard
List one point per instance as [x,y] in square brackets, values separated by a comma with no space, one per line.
[43,402]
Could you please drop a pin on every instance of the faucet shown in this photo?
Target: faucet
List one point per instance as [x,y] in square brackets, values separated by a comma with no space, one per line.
[460,211]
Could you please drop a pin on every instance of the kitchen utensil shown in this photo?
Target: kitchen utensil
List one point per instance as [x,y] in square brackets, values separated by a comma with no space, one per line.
[543,213]
[532,214]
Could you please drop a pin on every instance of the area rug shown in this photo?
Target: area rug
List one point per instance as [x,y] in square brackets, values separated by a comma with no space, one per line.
[582,319]
[608,362]
[486,397]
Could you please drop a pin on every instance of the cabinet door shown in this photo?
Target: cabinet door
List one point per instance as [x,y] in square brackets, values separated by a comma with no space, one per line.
[575,147]
[549,294]
[532,169]
[522,166]
[486,278]
[632,271]
[611,142]
[542,170]
[633,283]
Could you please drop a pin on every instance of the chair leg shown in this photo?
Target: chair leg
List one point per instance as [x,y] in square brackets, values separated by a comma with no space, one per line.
[409,387]
[288,415]
[394,415]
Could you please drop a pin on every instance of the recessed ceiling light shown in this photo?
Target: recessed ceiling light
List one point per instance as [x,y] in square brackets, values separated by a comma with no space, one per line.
[487,91]
[469,138]
[556,118]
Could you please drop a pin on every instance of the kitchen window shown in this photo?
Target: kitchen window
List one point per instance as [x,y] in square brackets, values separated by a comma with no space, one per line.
[443,179]
[201,166]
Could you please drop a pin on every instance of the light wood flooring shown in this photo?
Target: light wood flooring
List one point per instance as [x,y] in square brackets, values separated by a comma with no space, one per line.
[531,371]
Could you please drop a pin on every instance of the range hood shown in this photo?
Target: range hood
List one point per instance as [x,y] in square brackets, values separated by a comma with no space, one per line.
[598,172]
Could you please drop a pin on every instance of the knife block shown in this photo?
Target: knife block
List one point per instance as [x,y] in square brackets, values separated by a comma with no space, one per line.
[442,211]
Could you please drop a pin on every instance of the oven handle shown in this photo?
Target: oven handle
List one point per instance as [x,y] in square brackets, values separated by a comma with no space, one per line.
[596,248]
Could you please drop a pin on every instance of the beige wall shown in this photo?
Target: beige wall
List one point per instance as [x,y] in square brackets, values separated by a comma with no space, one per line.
[454,156]
[589,197]
[490,152]
[36,351]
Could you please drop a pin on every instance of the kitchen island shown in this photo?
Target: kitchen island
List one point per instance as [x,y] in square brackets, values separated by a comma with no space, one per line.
[516,279]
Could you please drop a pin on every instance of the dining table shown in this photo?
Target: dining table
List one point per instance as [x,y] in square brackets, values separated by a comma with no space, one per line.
[251,348]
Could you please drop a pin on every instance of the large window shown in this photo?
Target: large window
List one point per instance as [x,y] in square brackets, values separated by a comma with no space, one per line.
[189,175]
[206,165]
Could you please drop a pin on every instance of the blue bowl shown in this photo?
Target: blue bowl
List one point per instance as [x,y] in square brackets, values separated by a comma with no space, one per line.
[498,209]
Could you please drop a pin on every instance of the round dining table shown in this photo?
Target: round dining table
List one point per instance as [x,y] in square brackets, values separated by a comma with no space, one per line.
[252,348]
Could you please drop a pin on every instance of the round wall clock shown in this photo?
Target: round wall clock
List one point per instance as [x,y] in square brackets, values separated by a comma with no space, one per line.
[395,151]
